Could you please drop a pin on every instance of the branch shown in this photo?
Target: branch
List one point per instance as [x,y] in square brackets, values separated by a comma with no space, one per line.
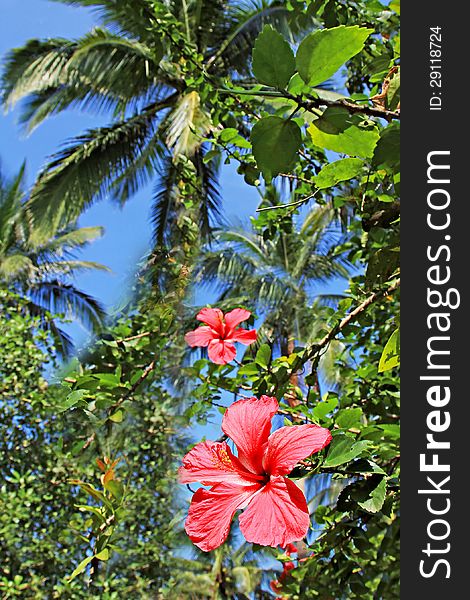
[315,103]
[370,111]
[315,349]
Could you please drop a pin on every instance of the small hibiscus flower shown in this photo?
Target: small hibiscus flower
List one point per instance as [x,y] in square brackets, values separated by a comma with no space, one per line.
[277,584]
[276,510]
[219,333]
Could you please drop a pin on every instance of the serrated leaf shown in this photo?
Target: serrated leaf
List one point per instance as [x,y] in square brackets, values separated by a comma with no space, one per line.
[273,59]
[391,353]
[363,465]
[376,497]
[343,449]
[335,172]
[323,52]
[275,144]
[341,132]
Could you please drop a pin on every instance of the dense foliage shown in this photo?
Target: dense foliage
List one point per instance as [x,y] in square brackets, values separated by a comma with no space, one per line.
[90,503]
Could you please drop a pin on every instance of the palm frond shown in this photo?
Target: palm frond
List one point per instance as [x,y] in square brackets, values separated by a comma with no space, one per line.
[36,66]
[73,239]
[70,267]
[64,298]
[165,201]
[11,197]
[210,200]
[15,266]
[245,22]
[86,169]
[63,343]
[128,16]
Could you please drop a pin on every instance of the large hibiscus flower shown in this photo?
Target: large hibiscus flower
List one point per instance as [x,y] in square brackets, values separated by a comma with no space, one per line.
[220,332]
[276,510]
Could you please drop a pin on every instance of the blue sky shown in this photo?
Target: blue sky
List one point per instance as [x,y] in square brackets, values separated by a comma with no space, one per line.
[127,229]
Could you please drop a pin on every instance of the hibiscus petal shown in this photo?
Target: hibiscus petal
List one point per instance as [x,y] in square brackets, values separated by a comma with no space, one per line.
[248,424]
[212,462]
[244,336]
[277,515]
[236,316]
[287,445]
[221,352]
[211,513]
[213,317]
[201,336]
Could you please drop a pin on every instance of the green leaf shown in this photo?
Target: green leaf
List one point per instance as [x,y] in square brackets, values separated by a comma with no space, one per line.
[249,369]
[72,400]
[376,497]
[275,145]
[116,488]
[391,353]
[263,356]
[363,465]
[349,417]
[387,151]
[117,417]
[273,59]
[343,449]
[382,265]
[391,430]
[341,170]
[81,567]
[323,408]
[103,555]
[323,52]
[395,5]
[341,132]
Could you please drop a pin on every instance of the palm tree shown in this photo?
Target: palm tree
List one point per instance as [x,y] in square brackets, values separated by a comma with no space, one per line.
[135,68]
[277,277]
[42,272]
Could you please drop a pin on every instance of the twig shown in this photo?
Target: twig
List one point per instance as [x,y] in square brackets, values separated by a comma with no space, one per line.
[296,203]
[148,369]
[296,178]
[134,337]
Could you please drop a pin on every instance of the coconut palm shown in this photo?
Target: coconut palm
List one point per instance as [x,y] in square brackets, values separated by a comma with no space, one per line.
[134,68]
[42,273]
[277,277]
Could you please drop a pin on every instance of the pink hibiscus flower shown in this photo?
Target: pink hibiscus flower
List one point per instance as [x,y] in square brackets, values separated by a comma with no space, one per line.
[276,510]
[220,332]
